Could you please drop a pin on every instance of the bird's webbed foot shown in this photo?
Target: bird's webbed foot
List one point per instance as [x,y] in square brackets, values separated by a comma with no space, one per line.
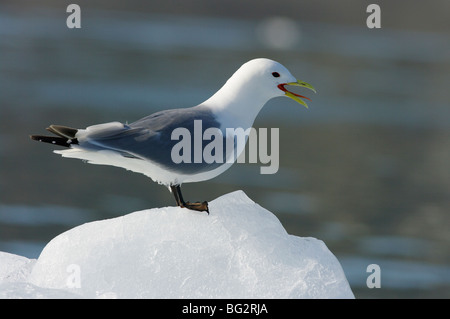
[198,206]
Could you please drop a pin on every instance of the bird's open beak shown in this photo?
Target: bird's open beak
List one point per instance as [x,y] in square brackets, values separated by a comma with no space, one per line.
[294,96]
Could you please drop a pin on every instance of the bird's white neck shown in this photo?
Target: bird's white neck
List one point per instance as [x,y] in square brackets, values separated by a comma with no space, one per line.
[238,101]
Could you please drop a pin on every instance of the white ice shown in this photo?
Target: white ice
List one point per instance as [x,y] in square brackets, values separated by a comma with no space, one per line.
[240,250]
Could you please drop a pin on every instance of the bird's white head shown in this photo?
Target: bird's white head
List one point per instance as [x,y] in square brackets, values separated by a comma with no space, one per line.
[266,79]
[245,93]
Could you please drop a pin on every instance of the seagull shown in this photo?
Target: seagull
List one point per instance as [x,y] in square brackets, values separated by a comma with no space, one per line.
[147,146]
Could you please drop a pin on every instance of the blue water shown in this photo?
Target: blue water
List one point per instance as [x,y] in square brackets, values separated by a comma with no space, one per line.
[365,168]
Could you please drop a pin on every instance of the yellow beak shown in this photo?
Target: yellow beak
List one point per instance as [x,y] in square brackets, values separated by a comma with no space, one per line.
[294,96]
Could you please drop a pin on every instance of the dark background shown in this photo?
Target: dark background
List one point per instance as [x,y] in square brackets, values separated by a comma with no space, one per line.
[365,169]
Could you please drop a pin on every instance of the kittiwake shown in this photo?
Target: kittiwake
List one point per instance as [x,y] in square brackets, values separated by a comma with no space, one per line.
[151,145]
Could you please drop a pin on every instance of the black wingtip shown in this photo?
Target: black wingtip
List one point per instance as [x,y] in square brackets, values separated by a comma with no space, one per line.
[65,136]
[63,131]
[61,141]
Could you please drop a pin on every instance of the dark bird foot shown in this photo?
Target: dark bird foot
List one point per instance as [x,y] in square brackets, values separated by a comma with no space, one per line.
[201,207]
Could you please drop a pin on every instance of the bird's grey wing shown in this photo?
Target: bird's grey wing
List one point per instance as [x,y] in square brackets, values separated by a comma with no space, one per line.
[150,138]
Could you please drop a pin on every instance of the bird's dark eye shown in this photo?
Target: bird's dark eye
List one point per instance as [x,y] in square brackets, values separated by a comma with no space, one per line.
[276,74]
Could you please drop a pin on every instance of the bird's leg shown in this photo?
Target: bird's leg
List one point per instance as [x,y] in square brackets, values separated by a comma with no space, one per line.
[176,195]
[201,207]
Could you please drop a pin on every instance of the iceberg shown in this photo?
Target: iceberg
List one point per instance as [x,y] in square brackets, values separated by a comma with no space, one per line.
[240,250]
